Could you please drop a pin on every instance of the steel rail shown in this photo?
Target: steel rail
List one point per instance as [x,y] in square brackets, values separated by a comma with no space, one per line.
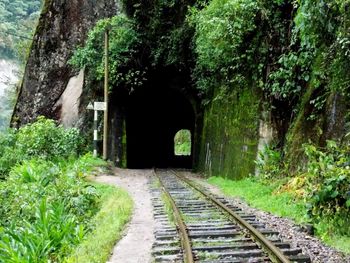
[274,252]
[182,228]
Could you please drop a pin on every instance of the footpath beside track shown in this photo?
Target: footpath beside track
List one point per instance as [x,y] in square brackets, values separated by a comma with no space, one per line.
[193,225]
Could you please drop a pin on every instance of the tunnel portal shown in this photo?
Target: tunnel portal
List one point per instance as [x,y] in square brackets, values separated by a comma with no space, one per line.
[151,117]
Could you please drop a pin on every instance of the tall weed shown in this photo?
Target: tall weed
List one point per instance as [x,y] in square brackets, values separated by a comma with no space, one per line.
[45,209]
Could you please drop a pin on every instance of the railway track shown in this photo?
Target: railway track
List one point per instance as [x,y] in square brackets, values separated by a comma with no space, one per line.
[195,226]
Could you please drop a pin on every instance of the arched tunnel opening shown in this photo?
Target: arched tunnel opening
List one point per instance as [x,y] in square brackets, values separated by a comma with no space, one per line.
[143,125]
[152,120]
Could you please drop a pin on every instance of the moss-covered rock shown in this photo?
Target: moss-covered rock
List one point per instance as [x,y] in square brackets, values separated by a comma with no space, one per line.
[230,134]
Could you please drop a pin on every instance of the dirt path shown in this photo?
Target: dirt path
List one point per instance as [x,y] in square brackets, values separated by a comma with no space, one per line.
[136,245]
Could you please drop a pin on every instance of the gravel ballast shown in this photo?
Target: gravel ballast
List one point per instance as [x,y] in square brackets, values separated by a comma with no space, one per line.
[289,231]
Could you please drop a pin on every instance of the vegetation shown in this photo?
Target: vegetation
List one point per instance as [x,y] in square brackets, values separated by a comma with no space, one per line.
[283,61]
[47,208]
[151,37]
[322,186]
[280,198]
[124,40]
[327,182]
[18,19]
[115,212]
[42,140]
[182,142]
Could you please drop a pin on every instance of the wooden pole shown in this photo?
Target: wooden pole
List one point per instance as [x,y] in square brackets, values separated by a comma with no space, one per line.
[105,120]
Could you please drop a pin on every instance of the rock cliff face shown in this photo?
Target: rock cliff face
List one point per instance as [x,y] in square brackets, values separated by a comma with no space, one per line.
[63,25]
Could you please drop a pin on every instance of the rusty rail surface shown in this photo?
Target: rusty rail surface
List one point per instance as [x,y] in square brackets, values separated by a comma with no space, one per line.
[274,252]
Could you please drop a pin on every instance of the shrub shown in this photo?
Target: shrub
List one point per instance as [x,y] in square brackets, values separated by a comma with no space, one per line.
[42,139]
[123,46]
[226,43]
[328,177]
[8,155]
[45,209]
[269,163]
[46,140]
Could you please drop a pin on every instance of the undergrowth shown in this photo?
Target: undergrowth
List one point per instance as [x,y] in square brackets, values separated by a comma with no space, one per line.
[47,206]
[319,194]
[268,197]
[115,212]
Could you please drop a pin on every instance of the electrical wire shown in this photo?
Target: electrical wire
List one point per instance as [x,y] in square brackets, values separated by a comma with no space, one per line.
[15,35]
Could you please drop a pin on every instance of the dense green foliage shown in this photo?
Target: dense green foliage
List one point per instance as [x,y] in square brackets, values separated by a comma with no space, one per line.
[42,139]
[164,32]
[123,46]
[152,37]
[327,184]
[225,44]
[45,209]
[109,222]
[323,186]
[45,203]
[17,23]
[182,142]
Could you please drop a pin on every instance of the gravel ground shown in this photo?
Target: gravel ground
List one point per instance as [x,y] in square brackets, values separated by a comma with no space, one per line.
[136,245]
[289,231]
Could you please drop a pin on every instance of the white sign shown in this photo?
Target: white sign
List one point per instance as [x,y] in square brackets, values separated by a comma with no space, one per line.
[100,106]
[90,106]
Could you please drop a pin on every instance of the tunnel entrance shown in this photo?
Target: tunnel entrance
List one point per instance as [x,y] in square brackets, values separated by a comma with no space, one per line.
[153,117]
[143,123]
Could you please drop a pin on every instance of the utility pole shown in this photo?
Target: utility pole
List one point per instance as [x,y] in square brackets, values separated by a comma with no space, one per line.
[105,121]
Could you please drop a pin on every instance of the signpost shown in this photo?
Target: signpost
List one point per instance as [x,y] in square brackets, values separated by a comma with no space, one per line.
[102,106]
[97,106]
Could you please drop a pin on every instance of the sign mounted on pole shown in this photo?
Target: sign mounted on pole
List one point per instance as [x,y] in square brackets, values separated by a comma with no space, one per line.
[102,106]
[90,106]
[98,106]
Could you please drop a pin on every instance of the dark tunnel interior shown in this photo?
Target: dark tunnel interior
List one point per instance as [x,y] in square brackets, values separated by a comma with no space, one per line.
[153,117]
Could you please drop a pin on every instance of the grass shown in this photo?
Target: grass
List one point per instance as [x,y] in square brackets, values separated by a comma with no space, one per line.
[169,209]
[342,243]
[262,196]
[115,212]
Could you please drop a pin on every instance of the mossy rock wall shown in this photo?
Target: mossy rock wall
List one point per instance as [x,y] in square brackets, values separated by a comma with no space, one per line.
[316,127]
[230,135]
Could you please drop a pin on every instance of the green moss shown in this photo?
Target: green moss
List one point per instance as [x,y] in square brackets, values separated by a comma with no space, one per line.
[230,133]
[296,136]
